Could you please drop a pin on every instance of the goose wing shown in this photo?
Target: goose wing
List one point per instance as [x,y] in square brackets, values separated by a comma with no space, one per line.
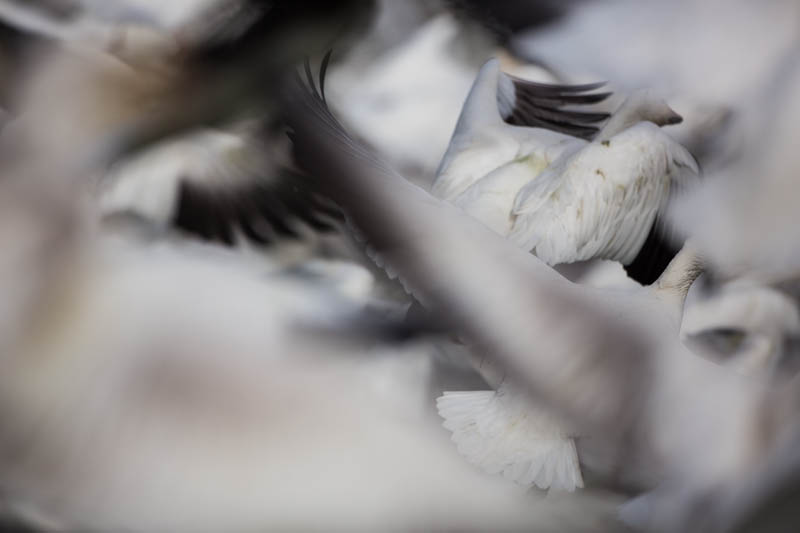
[221,185]
[543,105]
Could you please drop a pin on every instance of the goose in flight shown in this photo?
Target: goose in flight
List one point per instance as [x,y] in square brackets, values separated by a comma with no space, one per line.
[568,199]
[750,327]
[663,416]
[504,431]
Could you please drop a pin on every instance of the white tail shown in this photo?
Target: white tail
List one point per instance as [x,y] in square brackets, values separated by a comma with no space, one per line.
[505,433]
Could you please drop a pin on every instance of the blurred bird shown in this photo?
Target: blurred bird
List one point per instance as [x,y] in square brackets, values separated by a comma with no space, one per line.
[749,327]
[563,198]
[742,213]
[503,431]
[208,392]
[704,71]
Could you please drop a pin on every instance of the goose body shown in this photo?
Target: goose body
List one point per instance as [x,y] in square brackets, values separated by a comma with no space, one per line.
[601,199]
[504,430]
[562,197]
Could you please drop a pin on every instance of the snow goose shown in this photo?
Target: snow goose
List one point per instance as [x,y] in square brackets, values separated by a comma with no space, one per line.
[660,412]
[504,431]
[749,327]
[567,199]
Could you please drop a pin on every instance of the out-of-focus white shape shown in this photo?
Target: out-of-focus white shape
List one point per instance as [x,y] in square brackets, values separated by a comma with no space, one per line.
[725,49]
[106,24]
[177,388]
[744,214]
[170,14]
[561,197]
[609,274]
[713,55]
[502,431]
[408,100]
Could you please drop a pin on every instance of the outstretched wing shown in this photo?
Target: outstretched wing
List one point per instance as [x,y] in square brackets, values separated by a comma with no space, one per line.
[543,105]
[496,96]
[220,185]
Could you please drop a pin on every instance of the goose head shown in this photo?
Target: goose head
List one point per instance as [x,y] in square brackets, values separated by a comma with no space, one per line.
[645,105]
[642,105]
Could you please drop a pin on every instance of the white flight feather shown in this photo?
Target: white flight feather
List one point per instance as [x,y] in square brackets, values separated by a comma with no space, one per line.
[501,431]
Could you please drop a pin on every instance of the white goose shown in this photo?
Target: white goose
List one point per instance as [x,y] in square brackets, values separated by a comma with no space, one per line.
[564,198]
[505,431]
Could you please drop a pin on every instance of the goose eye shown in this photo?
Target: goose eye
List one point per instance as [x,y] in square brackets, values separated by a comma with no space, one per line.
[719,343]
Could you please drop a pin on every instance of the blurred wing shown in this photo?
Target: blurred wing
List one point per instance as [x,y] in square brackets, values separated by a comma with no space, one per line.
[217,185]
[261,210]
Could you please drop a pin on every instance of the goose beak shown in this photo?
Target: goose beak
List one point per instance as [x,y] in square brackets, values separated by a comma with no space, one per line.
[672,118]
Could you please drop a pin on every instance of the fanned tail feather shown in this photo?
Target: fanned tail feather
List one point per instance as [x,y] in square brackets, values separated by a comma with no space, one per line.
[502,434]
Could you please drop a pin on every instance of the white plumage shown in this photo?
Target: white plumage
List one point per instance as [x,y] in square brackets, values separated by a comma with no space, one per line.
[502,431]
[505,431]
[561,197]
[600,200]
[482,142]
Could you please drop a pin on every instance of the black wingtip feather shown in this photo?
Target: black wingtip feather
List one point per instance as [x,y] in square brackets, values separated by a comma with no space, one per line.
[542,105]
[553,88]
[323,69]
